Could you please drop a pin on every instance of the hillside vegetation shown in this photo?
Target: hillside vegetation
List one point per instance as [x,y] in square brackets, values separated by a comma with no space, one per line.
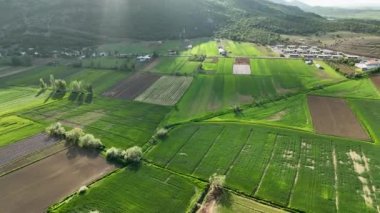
[86,22]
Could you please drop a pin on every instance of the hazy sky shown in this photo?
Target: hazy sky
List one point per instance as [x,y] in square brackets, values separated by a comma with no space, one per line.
[343,3]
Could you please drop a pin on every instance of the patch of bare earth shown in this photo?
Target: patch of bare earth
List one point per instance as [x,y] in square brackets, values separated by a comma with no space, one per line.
[376,81]
[133,86]
[361,167]
[335,163]
[278,116]
[35,187]
[332,116]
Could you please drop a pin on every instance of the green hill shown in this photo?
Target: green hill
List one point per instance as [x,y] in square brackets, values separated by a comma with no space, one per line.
[86,22]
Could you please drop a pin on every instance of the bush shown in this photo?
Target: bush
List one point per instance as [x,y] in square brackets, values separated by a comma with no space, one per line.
[115,154]
[89,141]
[133,154]
[56,130]
[82,190]
[74,135]
[162,133]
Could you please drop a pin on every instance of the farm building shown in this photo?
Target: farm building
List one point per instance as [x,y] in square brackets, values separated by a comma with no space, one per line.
[288,51]
[368,65]
[292,47]
[222,51]
[318,66]
[294,55]
[144,58]
[309,62]
[352,56]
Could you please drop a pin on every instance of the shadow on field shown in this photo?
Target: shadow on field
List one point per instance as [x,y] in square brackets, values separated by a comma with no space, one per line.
[225,200]
[73,152]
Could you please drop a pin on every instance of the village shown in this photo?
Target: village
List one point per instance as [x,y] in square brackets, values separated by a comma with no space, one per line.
[309,53]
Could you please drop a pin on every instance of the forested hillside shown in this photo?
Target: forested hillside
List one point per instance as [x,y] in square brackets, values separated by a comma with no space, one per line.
[86,22]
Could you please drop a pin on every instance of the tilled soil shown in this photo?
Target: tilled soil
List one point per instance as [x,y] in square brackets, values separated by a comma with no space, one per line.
[332,116]
[133,86]
[36,187]
[25,147]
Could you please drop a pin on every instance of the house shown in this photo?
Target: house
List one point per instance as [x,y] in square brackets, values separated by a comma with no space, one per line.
[287,51]
[309,62]
[368,65]
[303,47]
[352,57]
[294,55]
[328,52]
[172,52]
[292,47]
[103,54]
[280,46]
[318,66]
[324,56]
[222,51]
[337,56]
[189,46]
[314,51]
[144,58]
[309,55]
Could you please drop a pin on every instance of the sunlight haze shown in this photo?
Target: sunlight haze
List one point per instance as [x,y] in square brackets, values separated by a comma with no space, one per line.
[343,3]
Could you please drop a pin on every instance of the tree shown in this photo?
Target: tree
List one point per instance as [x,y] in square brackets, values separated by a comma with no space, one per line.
[52,82]
[74,135]
[43,85]
[60,86]
[133,154]
[216,185]
[76,86]
[56,130]
[89,141]
[162,133]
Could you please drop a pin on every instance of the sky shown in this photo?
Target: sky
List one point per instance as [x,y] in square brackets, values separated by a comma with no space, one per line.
[343,3]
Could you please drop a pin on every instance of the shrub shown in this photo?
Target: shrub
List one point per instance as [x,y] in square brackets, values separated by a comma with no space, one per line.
[133,155]
[162,133]
[115,154]
[82,190]
[216,186]
[74,135]
[89,141]
[56,130]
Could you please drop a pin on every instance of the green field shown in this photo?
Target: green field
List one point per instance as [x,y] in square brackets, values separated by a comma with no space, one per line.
[172,65]
[117,123]
[369,113]
[241,48]
[352,89]
[231,203]
[147,189]
[290,112]
[13,129]
[108,63]
[290,168]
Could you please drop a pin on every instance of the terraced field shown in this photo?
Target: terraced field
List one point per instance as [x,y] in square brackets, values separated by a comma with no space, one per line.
[166,91]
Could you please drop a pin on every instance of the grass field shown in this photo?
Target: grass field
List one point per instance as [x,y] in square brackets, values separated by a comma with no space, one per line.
[171,65]
[118,123]
[241,48]
[290,112]
[13,129]
[231,203]
[108,63]
[352,89]
[166,91]
[147,189]
[369,113]
[290,168]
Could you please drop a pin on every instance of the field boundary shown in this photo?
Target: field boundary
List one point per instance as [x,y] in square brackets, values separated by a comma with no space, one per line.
[256,189]
[208,149]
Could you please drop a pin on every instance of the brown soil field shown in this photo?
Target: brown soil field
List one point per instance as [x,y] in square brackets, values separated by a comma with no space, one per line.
[25,147]
[376,81]
[35,187]
[242,61]
[332,116]
[133,86]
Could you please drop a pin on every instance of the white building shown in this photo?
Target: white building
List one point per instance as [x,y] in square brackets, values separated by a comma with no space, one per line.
[222,51]
[368,65]
[144,58]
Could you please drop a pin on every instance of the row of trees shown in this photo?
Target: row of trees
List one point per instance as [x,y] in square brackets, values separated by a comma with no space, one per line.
[75,137]
[129,156]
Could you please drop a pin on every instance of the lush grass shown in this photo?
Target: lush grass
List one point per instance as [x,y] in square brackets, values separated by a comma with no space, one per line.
[13,100]
[369,113]
[291,168]
[231,203]
[241,48]
[225,65]
[146,189]
[290,112]
[207,47]
[170,65]
[117,123]
[13,129]
[108,63]
[352,89]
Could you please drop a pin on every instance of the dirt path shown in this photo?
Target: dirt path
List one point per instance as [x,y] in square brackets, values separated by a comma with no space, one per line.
[36,187]
[335,162]
[16,71]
